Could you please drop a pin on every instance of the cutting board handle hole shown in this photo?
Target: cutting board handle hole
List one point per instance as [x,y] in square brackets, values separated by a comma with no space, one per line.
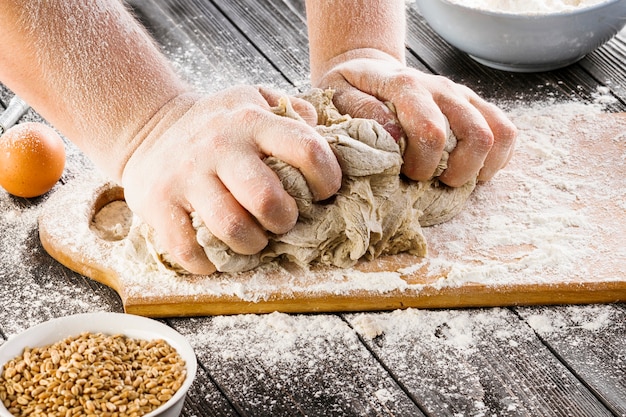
[111,218]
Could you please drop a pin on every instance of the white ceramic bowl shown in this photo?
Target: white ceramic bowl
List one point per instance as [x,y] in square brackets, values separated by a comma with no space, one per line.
[525,42]
[132,326]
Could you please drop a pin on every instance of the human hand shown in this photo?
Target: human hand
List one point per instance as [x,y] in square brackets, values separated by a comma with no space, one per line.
[205,154]
[485,135]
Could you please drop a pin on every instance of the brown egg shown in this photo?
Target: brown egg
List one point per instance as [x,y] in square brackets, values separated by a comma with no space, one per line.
[32,159]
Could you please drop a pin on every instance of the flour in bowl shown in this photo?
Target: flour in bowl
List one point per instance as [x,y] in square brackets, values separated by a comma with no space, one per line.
[528,7]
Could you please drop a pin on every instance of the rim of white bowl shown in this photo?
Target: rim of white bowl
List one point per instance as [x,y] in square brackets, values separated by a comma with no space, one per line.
[130,325]
[512,15]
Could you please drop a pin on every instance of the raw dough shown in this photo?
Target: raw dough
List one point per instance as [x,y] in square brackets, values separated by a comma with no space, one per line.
[376,211]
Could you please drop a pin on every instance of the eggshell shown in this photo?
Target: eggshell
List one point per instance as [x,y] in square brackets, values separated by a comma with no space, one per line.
[32,159]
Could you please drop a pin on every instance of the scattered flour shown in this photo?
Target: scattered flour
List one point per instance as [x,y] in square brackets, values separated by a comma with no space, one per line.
[420,342]
[543,324]
[290,352]
[541,224]
[603,96]
[383,395]
[42,292]
[454,329]
[528,7]
[586,318]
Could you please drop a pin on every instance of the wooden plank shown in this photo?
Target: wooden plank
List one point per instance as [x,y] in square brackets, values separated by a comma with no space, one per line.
[34,287]
[445,60]
[204,398]
[184,54]
[474,362]
[228,56]
[591,342]
[271,394]
[277,31]
[607,65]
[282,365]
[509,91]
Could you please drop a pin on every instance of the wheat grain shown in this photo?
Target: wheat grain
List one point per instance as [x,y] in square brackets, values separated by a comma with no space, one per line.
[92,374]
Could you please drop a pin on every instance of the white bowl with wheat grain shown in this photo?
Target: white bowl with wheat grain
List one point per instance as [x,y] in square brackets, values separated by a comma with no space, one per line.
[128,325]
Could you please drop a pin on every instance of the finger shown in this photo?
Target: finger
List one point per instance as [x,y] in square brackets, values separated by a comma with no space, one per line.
[505,134]
[426,131]
[419,117]
[359,104]
[304,109]
[177,236]
[302,147]
[474,142]
[227,219]
[259,191]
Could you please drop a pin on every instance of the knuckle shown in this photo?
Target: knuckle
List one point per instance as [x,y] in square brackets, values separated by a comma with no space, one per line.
[232,229]
[266,196]
[431,136]
[184,254]
[417,167]
[483,140]
[405,78]
[219,142]
[265,199]
[273,211]
[445,84]
[312,149]
[508,133]
[240,235]
[248,115]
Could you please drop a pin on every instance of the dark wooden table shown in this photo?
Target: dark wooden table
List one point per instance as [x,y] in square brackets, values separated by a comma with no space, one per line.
[527,361]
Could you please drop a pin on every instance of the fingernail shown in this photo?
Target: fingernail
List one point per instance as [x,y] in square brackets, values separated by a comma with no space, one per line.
[394,129]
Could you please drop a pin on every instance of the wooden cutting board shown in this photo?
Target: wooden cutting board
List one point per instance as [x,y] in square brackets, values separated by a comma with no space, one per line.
[549,229]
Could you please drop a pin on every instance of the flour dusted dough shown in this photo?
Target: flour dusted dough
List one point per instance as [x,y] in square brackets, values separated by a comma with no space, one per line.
[376,212]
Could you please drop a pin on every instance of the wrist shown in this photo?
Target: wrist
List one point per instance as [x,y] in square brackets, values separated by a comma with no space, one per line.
[320,69]
[166,116]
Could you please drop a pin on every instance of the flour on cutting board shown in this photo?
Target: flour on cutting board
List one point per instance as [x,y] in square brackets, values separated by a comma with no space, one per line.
[544,234]
[529,224]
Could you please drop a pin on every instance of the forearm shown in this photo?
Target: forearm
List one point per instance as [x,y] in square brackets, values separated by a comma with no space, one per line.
[367,27]
[88,69]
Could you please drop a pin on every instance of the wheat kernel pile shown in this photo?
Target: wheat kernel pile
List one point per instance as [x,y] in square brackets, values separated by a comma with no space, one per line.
[92,374]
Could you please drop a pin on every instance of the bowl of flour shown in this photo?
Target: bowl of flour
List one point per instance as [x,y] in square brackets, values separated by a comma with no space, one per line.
[525,36]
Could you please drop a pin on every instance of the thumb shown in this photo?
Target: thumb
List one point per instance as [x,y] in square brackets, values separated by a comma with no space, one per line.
[304,109]
[356,103]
